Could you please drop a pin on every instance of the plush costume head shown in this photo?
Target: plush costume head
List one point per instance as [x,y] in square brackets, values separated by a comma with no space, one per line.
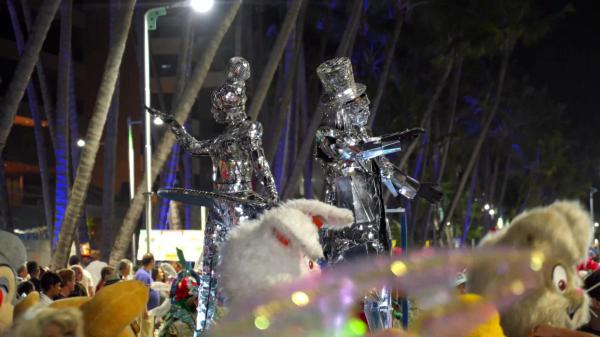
[560,235]
[279,247]
[12,256]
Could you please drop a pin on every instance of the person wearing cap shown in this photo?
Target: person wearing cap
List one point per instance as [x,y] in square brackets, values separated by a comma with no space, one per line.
[240,170]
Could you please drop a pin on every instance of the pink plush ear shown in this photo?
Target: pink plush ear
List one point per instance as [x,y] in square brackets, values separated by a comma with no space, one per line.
[333,217]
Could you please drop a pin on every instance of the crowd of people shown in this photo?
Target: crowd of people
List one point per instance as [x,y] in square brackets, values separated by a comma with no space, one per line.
[88,276]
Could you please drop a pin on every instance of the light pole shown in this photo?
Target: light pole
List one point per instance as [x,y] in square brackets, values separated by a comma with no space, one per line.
[150,18]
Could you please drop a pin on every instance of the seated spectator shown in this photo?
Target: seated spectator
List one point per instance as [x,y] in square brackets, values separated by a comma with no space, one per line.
[79,289]
[33,269]
[108,270]
[67,284]
[50,283]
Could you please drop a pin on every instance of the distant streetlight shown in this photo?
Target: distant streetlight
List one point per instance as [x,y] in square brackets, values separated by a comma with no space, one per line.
[158,121]
[486,207]
[492,212]
[201,6]
[80,142]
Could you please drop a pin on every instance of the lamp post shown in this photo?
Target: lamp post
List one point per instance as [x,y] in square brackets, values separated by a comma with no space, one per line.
[150,18]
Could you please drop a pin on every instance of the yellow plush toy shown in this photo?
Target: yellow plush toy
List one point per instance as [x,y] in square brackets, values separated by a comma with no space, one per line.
[472,309]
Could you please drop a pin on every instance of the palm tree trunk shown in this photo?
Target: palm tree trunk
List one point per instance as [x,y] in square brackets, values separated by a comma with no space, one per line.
[22,74]
[453,100]
[468,211]
[5,216]
[345,47]
[110,151]
[274,58]
[385,72]
[482,136]
[430,107]
[95,128]
[41,74]
[61,149]
[289,86]
[40,141]
[82,235]
[181,112]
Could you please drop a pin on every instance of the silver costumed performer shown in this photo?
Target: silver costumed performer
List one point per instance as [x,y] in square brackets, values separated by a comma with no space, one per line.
[237,158]
[355,172]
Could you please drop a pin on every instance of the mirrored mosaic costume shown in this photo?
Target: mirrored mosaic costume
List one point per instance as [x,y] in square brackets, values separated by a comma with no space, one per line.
[237,159]
[355,172]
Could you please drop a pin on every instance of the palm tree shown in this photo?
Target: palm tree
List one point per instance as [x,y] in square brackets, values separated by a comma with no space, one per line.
[181,112]
[22,74]
[61,149]
[344,48]
[110,152]
[92,139]
[389,56]
[274,58]
[40,142]
[41,74]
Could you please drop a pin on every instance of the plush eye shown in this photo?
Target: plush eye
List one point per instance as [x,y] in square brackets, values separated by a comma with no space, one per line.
[559,278]
[311,264]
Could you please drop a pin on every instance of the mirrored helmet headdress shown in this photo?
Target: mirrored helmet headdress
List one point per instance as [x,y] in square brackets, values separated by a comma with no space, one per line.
[346,102]
[229,100]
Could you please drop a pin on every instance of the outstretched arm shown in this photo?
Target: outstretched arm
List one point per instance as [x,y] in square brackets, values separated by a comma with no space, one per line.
[333,145]
[399,183]
[187,141]
[262,169]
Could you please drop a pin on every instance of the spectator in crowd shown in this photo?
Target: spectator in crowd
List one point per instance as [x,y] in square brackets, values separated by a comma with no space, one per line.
[51,284]
[67,285]
[86,281]
[33,269]
[592,286]
[160,283]
[22,274]
[124,269]
[144,274]
[79,289]
[108,270]
[24,288]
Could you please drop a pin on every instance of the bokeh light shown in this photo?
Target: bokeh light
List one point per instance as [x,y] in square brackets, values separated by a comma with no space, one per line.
[537,260]
[261,322]
[300,298]
[398,268]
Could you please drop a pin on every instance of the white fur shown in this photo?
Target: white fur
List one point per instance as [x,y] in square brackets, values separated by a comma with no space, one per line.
[563,232]
[252,259]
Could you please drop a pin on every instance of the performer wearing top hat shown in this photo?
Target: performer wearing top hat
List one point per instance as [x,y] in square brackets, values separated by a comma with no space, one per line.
[355,170]
[237,157]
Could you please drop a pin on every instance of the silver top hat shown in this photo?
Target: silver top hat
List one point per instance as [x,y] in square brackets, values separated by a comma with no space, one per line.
[232,94]
[338,80]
